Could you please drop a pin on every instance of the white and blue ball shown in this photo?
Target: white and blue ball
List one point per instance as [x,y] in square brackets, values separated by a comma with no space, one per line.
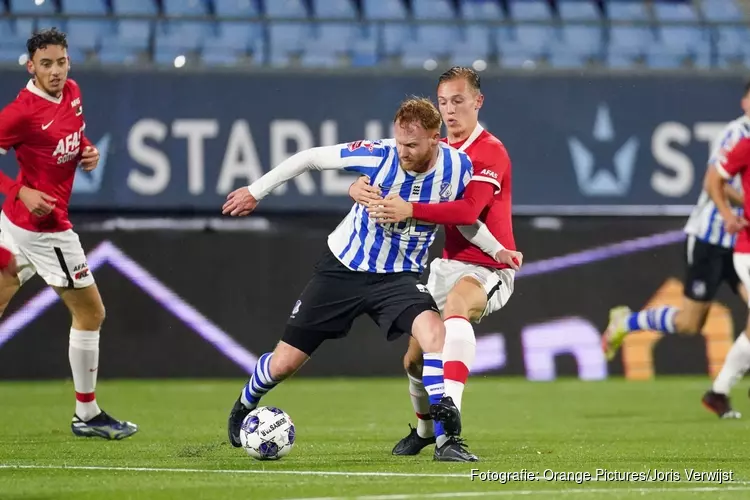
[267,433]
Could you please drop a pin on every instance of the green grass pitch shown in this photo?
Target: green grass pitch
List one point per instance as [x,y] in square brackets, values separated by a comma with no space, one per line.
[345,432]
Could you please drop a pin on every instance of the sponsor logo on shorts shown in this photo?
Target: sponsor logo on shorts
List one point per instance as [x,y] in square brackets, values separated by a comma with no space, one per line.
[699,289]
[422,288]
[295,310]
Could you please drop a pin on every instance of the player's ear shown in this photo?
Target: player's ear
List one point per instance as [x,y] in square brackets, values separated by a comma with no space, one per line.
[480,101]
[30,66]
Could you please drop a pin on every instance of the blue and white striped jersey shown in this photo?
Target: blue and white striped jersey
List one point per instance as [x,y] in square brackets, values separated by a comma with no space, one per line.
[364,245]
[705,223]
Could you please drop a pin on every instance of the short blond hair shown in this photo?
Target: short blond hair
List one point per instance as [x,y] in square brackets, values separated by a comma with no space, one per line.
[419,110]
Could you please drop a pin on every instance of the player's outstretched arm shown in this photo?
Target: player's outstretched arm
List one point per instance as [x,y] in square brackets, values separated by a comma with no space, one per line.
[244,200]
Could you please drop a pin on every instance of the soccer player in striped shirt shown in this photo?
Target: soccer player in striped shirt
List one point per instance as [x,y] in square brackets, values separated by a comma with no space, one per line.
[469,282]
[370,268]
[708,257]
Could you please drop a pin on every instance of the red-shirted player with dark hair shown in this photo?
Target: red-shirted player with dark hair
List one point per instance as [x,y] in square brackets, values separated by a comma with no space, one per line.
[737,362]
[45,127]
[467,283]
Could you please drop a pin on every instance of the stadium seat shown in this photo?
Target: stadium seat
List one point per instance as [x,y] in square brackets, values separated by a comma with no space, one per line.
[433,9]
[578,45]
[436,38]
[236,8]
[10,55]
[142,7]
[721,10]
[489,10]
[318,54]
[334,9]
[627,45]
[634,10]
[365,48]
[384,9]
[530,41]
[286,39]
[286,9]
[665,11]
[732,45]
[235,36]
[185,7]
[529,10]
[337,36]
[86,34]
[473,45]
[90,7]
[578,10]
[47,23]
[31,7]
[24,28]
[117,55]
[395,37]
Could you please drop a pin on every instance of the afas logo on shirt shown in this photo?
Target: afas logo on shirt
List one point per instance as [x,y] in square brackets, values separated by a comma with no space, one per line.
[353,146]
[488,173]
[68,148]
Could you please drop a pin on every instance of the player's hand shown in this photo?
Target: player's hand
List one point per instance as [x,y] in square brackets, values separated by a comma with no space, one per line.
[391,210]
[239,203]
[363,193]
[36,202]
[89,158]
[735,224]
[510,257]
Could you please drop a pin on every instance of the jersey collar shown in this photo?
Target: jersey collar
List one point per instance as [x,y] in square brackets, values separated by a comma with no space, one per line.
[473,137]
[44,95]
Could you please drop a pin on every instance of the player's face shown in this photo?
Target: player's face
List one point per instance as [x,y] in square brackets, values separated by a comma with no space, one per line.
[50,68]
[459,106]
[415,146]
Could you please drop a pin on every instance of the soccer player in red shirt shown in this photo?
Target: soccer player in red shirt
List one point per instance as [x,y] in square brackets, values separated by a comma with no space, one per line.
[45,126]
[467,283]
[735,161]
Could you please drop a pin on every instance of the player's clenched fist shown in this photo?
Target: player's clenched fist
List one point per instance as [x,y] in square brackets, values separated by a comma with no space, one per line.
[89,158]
[239,203]
[36,202]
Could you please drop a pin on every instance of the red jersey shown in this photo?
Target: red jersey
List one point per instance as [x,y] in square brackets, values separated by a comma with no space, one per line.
[47,135]
[737,161]
[487,198]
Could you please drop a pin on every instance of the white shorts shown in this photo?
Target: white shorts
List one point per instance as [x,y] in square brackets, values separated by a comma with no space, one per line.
[742,268]
[57,257]
[497,283]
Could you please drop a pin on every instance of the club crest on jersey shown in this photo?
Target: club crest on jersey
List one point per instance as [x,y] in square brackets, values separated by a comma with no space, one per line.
[76,103]
[353,146]
[445,191]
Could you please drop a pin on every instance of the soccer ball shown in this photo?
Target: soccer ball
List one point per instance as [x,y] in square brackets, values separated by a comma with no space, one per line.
[267,433]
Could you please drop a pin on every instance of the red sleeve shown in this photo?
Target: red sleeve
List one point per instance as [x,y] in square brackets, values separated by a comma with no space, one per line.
[5,257]
[735,161]
[490,165]
[85,142]
[12,125]
[460,212]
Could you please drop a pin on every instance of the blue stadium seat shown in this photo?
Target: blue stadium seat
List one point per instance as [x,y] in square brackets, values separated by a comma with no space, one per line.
[47,23]
[628,44]
[318,54]
[287,39]
[86,34]
[579,44]
[90,7]
[216,57]
[117,55]
[185,7]
[675,12]
[433,9]
[678,44]
[436,38]
[10,55]
[384,9]
[13,36]
[236,8]
[489,10]
[365,48]
[334,9]
[286,9]
[532,40]
[634,10]
[338,36]
[578,10]
[395,37]
[30,7]
[721,10]
[131,34]
[415,56]
[143,7]
[473,45]
[24,28]
[732,45]
[181,36]
[529,10]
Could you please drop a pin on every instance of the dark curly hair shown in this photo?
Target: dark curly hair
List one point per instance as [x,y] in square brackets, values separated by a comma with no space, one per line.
[41,39]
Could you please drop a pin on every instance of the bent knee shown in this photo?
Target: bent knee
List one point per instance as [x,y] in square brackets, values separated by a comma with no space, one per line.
[413,366]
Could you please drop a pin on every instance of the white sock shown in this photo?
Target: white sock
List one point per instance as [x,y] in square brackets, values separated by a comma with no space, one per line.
[458,356]
[735,365]
[421,403]
[83,353]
